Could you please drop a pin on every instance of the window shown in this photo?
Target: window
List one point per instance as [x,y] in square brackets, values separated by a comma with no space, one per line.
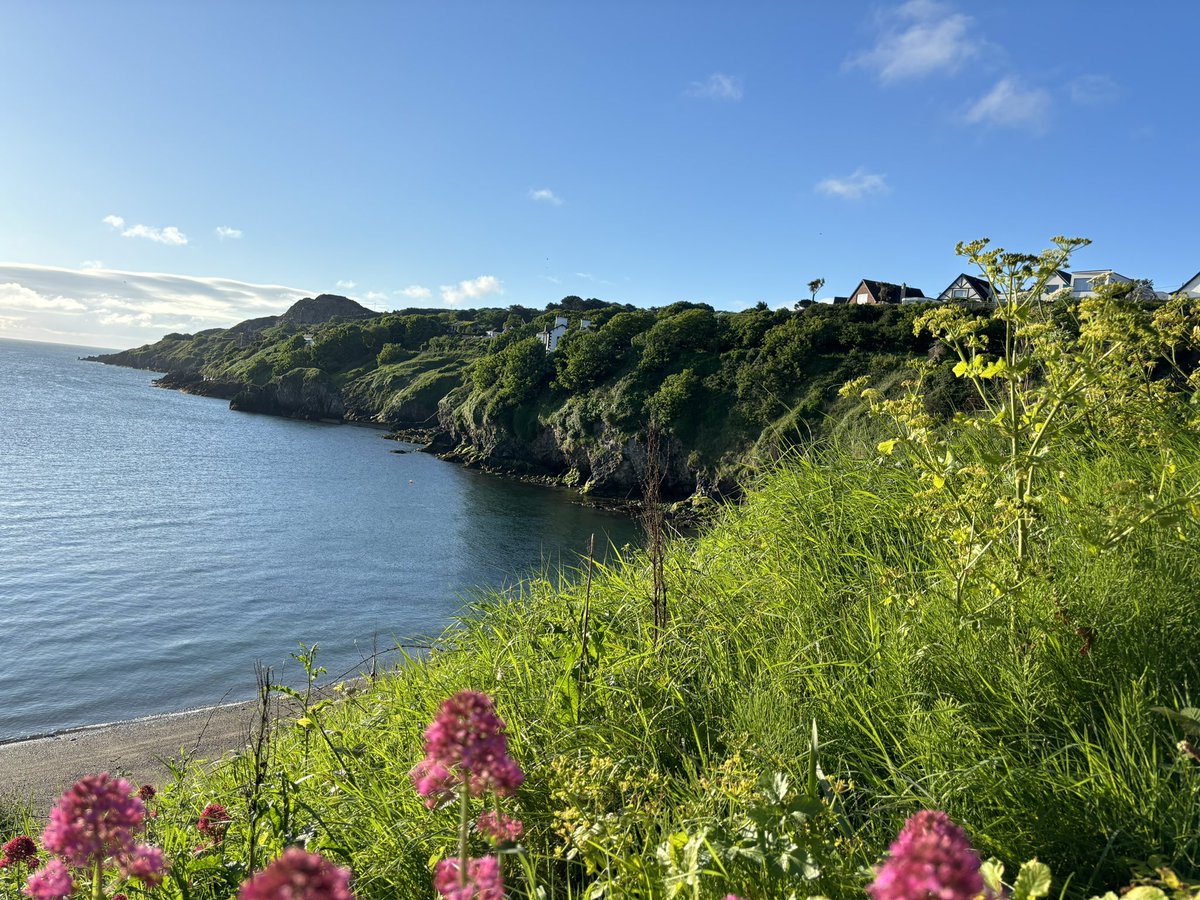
[959,292]
[864,297]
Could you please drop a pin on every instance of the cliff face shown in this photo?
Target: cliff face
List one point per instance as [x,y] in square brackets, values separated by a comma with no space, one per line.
[300,394]
[604,461]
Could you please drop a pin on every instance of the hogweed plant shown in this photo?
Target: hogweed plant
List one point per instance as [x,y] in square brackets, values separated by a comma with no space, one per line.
[466,757]
[1048,380]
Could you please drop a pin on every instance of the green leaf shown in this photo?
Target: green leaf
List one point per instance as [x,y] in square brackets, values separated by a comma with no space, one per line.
[1145,892]
[1188,718]
[993,876]
[1033,881]
[887,447]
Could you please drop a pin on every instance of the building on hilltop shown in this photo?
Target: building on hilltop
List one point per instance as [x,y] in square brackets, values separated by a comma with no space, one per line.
[1191,287]
[967,289]
[870,293]
[551,337]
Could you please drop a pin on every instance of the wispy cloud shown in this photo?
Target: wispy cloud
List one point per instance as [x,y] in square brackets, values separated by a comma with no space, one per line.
[415,292]
[345,284]
[14,295]
[92,264]
[10,322]
[473,289]
[1093,90]
[855,186]
[1011,106]
[224,232]
[718,86]
[169,235]
[377,297]
[545,195]
[109,307]
[919,38]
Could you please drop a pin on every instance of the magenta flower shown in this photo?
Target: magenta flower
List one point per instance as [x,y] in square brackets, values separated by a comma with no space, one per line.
[499,828]
[213,822]
[146,793]
[483,881]
[94,820]
[51,882]
[931,859]
[298,875]
[466,744]
[19,851]
[146,864]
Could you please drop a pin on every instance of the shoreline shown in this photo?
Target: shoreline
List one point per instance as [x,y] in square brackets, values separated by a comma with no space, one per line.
[37,770]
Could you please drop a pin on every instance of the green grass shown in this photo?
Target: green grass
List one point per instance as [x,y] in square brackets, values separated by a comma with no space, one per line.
[819,598]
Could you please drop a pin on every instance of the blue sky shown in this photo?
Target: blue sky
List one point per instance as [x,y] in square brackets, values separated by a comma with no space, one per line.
[179,166]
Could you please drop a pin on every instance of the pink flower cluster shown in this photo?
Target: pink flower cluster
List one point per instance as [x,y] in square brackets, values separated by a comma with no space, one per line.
[931,859]
[298,875]
[499,828]
[93,823]
[20,851]
[213,822]
[466,744]
[483,881]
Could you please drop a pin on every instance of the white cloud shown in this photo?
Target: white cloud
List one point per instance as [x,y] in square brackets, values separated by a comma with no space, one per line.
[224,232]
[854,186]
[919,38]
[415,292]
[169,235]
[345,284]
[17,296]
[545,195]
[472,290]
[107,307]
[377,297]
[718,86]
[9,322]
[91,264]
[1093,90]
[1009,105]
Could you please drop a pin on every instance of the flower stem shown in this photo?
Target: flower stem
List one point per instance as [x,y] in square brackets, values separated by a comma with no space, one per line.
[97,881]
[464,816]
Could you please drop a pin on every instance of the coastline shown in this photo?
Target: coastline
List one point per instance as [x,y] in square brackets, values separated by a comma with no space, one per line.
[37,770]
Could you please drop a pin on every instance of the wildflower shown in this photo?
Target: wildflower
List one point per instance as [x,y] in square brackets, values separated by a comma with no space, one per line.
[146,793]
[499,828]
[466,744]
[213,822]
[931,859]
[483,881]
[94,820]
[298,875]
[146,864]
[19,851]
[51,882]
[119,897]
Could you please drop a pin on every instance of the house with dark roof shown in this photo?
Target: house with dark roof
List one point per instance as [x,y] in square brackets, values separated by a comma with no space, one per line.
[969,289]
[1191,287]
[869,293]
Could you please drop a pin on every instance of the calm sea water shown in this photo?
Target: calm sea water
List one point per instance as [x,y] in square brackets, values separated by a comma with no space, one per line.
[154,545]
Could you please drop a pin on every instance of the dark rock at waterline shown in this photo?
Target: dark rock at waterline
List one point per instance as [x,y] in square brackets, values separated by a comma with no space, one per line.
[300,394]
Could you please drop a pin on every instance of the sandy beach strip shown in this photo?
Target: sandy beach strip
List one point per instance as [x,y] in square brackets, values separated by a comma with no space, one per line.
[37,771]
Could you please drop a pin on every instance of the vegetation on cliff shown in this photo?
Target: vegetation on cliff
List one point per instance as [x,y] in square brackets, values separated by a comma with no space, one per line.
[990,614]
[728,389]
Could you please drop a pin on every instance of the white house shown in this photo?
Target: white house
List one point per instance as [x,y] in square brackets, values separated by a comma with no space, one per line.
[1191,287]
[551,336]
[1085,281]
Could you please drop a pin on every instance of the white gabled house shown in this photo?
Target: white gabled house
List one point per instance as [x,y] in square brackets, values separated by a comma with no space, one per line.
[1191,287]
[551,337]
[1085,281]
[967,289]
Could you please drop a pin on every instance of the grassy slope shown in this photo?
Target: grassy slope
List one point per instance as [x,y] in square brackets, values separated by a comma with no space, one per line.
[819,598]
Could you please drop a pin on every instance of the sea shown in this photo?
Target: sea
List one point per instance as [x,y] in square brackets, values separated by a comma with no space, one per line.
[155,546]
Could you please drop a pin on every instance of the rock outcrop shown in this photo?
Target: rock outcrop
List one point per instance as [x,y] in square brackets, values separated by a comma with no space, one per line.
[300,394]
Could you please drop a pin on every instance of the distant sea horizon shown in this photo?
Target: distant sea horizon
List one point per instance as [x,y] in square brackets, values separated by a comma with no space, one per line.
[155,545]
